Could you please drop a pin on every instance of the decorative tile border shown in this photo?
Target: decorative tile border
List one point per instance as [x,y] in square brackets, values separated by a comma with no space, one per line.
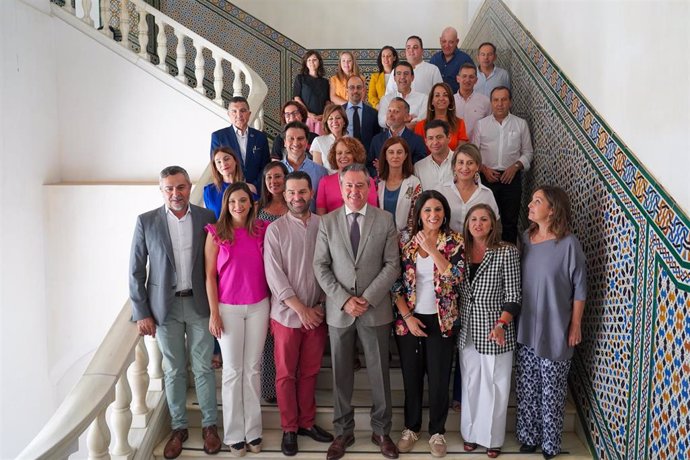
[630,377]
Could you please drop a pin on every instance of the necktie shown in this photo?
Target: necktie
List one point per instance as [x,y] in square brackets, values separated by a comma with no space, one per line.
[354,233]
[356,124]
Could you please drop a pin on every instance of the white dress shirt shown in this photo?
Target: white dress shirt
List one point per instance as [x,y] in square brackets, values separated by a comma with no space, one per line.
[425,77]
[459,208]
[431,174]
[472,109]
[417,101]
[242,141]
[181,231]
[502,144]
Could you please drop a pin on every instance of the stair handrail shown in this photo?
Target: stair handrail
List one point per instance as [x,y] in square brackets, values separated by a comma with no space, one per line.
[105,380]
[125,367]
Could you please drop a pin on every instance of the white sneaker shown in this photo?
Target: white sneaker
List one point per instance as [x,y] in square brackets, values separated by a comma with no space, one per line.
[407,440]
[438,445]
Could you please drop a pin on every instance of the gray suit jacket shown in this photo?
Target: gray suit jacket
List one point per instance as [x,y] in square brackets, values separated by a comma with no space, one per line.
[152,294]
[369,274]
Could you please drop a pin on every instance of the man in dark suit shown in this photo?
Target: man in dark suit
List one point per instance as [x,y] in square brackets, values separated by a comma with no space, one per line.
[250,145]
[397,114]
[362,119]
[169,302]
[364,242]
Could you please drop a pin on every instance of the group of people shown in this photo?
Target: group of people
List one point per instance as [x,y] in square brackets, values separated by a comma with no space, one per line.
[356,225]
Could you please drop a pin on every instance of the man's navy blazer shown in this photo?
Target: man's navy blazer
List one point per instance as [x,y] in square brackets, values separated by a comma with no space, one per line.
[258,153]
[370,124]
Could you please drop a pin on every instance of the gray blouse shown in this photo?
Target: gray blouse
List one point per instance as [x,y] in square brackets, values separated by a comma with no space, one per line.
[553,276]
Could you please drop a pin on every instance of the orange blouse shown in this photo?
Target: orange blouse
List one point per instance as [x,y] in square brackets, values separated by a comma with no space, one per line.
[460,135]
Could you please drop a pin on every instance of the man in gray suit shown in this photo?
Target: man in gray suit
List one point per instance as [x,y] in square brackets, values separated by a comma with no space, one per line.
[171,301]
[356,262]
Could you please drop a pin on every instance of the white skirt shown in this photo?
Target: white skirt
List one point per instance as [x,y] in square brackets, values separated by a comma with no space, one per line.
[485,393]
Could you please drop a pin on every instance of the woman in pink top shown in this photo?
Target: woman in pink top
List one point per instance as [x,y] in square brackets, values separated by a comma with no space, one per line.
[238,297]
[344,152]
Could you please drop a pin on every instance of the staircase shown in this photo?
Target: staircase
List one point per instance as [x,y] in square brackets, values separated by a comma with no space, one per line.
[573,447]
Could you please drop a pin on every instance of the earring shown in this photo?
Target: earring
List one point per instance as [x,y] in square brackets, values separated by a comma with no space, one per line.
[433,109]
[445,220]
[476,177]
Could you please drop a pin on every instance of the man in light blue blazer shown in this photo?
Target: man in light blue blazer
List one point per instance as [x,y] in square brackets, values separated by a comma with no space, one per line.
[250,145]
[356,261]
[169,302]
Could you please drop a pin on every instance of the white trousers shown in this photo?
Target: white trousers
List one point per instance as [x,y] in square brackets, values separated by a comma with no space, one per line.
[485,392]
[242,343]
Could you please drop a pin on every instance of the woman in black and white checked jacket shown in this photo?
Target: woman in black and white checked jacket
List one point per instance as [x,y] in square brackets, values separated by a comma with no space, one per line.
[489,300]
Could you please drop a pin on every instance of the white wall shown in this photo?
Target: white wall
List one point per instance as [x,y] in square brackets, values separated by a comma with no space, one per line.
[372,24]
[28,135]
[119,123]
[630,59]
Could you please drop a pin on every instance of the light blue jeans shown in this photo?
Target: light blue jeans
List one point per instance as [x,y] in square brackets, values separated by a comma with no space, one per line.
[184,322]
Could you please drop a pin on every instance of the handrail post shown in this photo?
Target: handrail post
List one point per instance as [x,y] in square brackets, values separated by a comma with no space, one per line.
[98,438]
[139,381]
[121,419]
[155,364]
[218,78]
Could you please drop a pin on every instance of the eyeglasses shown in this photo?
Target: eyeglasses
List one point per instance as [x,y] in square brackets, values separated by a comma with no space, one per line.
[291,114]
[179,188]
[353,87]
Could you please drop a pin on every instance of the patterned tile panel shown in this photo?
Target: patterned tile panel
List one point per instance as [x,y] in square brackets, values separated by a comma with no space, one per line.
[271,54]
[630,375]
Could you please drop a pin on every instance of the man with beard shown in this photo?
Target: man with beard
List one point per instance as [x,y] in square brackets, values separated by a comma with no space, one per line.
[297,313]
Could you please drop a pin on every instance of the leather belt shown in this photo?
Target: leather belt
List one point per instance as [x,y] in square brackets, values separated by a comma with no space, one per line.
[185,293]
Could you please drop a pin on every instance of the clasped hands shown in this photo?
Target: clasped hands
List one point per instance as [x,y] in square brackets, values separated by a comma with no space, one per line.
[505,178]
[356,306]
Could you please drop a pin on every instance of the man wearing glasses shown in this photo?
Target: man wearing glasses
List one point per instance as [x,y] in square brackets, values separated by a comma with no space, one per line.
[362,120]
[403,74]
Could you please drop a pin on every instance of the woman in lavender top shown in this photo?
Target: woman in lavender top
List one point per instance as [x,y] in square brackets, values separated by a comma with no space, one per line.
[554,290]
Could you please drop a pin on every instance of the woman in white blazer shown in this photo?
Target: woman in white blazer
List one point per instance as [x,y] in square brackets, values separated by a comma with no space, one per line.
[398,188]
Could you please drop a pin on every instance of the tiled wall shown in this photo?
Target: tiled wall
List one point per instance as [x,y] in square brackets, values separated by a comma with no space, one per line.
[631,375]
[272,55]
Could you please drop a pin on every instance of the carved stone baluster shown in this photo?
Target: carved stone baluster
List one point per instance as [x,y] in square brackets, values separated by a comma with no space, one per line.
[139,381]
[181,56]
[68,6]
[98,438]
[121,418]
[124,22]
[143,35]
[237,82]
[259,120]
[199,66]
[86,7]
[218,79]
[105,17]
[162,47]
[155,367]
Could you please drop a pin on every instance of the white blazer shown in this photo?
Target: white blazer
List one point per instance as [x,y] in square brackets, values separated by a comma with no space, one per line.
[410,189]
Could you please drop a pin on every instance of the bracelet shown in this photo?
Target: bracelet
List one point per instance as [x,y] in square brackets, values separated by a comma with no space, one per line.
[500,323]
[409,313]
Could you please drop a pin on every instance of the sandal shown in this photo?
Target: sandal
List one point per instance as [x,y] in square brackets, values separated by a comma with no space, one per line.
[493,452]
[217,362]
[469,446]
[456,406]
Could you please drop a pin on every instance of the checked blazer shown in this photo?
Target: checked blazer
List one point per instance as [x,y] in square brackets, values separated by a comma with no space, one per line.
[495,286]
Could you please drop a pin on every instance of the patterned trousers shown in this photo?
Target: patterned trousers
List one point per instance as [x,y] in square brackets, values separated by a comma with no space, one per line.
[541,387]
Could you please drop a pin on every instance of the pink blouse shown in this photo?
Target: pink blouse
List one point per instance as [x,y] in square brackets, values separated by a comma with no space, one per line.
[330,198]
[241,277]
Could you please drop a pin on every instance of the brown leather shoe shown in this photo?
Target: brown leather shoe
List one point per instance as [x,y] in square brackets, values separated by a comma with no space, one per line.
[212,442]
[173,448]
[338,446]
[386,444]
